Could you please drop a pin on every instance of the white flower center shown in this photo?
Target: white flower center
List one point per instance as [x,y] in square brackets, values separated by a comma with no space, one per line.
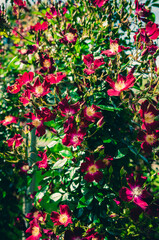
[119,85]
[149,117]
[137,191]
[8,119]
[63,218]
[39,90]
[75,139]
[46,63]
[90,111]
[150,138]
[92,169]
[35,231]
[36,122]
[23,51]
[25,167]
[69,36]
[114,47]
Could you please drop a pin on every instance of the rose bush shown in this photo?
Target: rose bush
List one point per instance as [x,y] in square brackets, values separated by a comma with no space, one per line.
[80,119]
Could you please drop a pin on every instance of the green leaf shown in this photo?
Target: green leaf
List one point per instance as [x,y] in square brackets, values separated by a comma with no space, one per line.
[66,153]
[109,108]
[121,153]
[55,196]
[60,163]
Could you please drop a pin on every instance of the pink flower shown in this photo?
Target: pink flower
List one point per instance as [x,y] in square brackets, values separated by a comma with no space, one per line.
[149,139]
[114,48]
[92,169]
[136,193]
[148,114]
[44,162]
[34,230]
[53,13]
[68,110]
[70,35]
[92,64]
[39,89]
[25,78]
[62,218]
[123,83]
[74,137]
[16,141]
[8,120]
[15,88]
[100,3]
[55,78]
[152,30]
[90,113]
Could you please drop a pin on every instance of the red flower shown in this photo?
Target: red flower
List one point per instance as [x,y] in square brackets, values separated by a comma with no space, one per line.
[24,168]
[40,27]
[74,137]
[91,234]
[25,98]
[55,78]
[100,3]
[44,162]
[70,35]
[150,49]
[149,139]
[68,110]
[16,141]
[15,88]
[52,13]
[136,193]
[47,64]
[64,218]
[25,78]
[122,84]
[148,114]
[39,89]
[34,230]
[42,116]
[90,113]
[141,12]
[8,120]
[114,48]
[40,217]
[20,3]
[92,64]
[152,30]
[92,169]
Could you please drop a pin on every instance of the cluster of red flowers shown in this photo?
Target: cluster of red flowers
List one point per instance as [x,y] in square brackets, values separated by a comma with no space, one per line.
[150,128]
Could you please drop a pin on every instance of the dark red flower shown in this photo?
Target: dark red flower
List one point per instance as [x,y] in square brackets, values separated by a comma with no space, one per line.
[123,83]
[92,234]
[92,169]
[20,3]
[55,78]
[90,113]
[92,64]
[141,11]
[34,230]
[149,139]
[62,218]
[150,49]
[152,30]
[16,141]
[76,234]
[114,48]
[136,193]
[50,233]
[70,35]
[74,137]
[39,89]
[8,120]
[148,114]
[68,110]
[44,162]
[47,64]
